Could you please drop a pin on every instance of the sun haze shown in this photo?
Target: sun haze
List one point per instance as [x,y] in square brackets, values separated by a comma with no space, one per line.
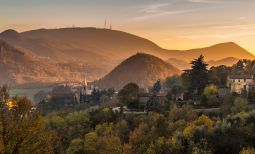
[172,24]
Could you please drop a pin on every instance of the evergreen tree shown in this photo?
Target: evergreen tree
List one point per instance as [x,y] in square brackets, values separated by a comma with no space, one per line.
[198,76]
[156,87]
[239,67]
[95,95]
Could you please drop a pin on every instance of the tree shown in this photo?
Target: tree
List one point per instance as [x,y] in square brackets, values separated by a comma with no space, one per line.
[90,142]
[240,104]
[4,93]
[202,148]
[128,95]
[164,145]
[210,95]
[122,130]
[239,67]
[184,113]
[139,140]
[185,79]
[110,92]
[95,96]
[156,87]
[203,121]
[76,147]
[172,81]
[67,127]
[22,128]
[103,99]
[102,140]
[247,151]
[110,144]
[218,75]
[210,90]
[251,96]
[198,76]
[177,90]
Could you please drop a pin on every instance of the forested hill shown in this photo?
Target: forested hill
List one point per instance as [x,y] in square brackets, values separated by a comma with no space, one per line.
[141,68]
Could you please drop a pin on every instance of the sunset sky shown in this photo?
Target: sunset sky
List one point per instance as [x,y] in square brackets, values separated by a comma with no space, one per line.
[172,24]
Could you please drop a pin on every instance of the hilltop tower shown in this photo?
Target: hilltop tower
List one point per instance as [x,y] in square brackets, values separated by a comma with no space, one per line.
[105,24]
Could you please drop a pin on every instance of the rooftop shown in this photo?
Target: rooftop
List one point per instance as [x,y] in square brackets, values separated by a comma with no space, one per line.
[240,76]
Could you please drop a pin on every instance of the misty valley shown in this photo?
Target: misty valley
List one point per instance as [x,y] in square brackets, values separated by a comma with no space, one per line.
[127,77]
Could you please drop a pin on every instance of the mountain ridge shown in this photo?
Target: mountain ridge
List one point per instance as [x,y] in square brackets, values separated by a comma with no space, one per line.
[113,40]
[183,65]
[95,52]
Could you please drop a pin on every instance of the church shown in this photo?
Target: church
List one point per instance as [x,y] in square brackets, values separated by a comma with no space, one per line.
[85,92]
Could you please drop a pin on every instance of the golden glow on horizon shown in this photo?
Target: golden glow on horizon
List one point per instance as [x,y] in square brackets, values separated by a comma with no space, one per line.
[172,24]
[167,40]
[170,39]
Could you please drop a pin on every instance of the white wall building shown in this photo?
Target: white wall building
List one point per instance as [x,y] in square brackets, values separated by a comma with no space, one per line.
[239,83]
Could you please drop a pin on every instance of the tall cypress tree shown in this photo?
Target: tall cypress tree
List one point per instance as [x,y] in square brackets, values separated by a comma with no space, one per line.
[198,76]
[156,87]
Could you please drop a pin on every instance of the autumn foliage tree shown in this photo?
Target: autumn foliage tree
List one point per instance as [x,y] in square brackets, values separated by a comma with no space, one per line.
[22,128]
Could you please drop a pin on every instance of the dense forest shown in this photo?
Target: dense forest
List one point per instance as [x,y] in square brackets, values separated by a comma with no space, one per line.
[203,122]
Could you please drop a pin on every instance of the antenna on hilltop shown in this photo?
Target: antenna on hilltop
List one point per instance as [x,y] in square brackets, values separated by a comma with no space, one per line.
[105,23]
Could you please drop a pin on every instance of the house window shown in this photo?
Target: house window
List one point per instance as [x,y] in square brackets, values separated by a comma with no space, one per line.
[244,80]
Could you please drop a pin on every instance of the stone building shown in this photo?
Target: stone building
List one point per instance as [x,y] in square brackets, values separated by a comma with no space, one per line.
[240,83]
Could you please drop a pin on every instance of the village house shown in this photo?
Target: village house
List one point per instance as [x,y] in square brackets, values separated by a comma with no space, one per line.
[240,83]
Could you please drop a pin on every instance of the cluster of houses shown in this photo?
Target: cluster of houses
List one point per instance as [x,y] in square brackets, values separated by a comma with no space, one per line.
[237,84]
[67,94]
[81,93]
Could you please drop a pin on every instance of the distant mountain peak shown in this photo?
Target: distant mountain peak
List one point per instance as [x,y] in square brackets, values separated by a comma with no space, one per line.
[227,44]
[10,34]
[142,69]
[217,52]
[10,31]
[141,55]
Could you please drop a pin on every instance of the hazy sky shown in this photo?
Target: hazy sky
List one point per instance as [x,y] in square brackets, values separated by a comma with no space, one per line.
[172,24]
